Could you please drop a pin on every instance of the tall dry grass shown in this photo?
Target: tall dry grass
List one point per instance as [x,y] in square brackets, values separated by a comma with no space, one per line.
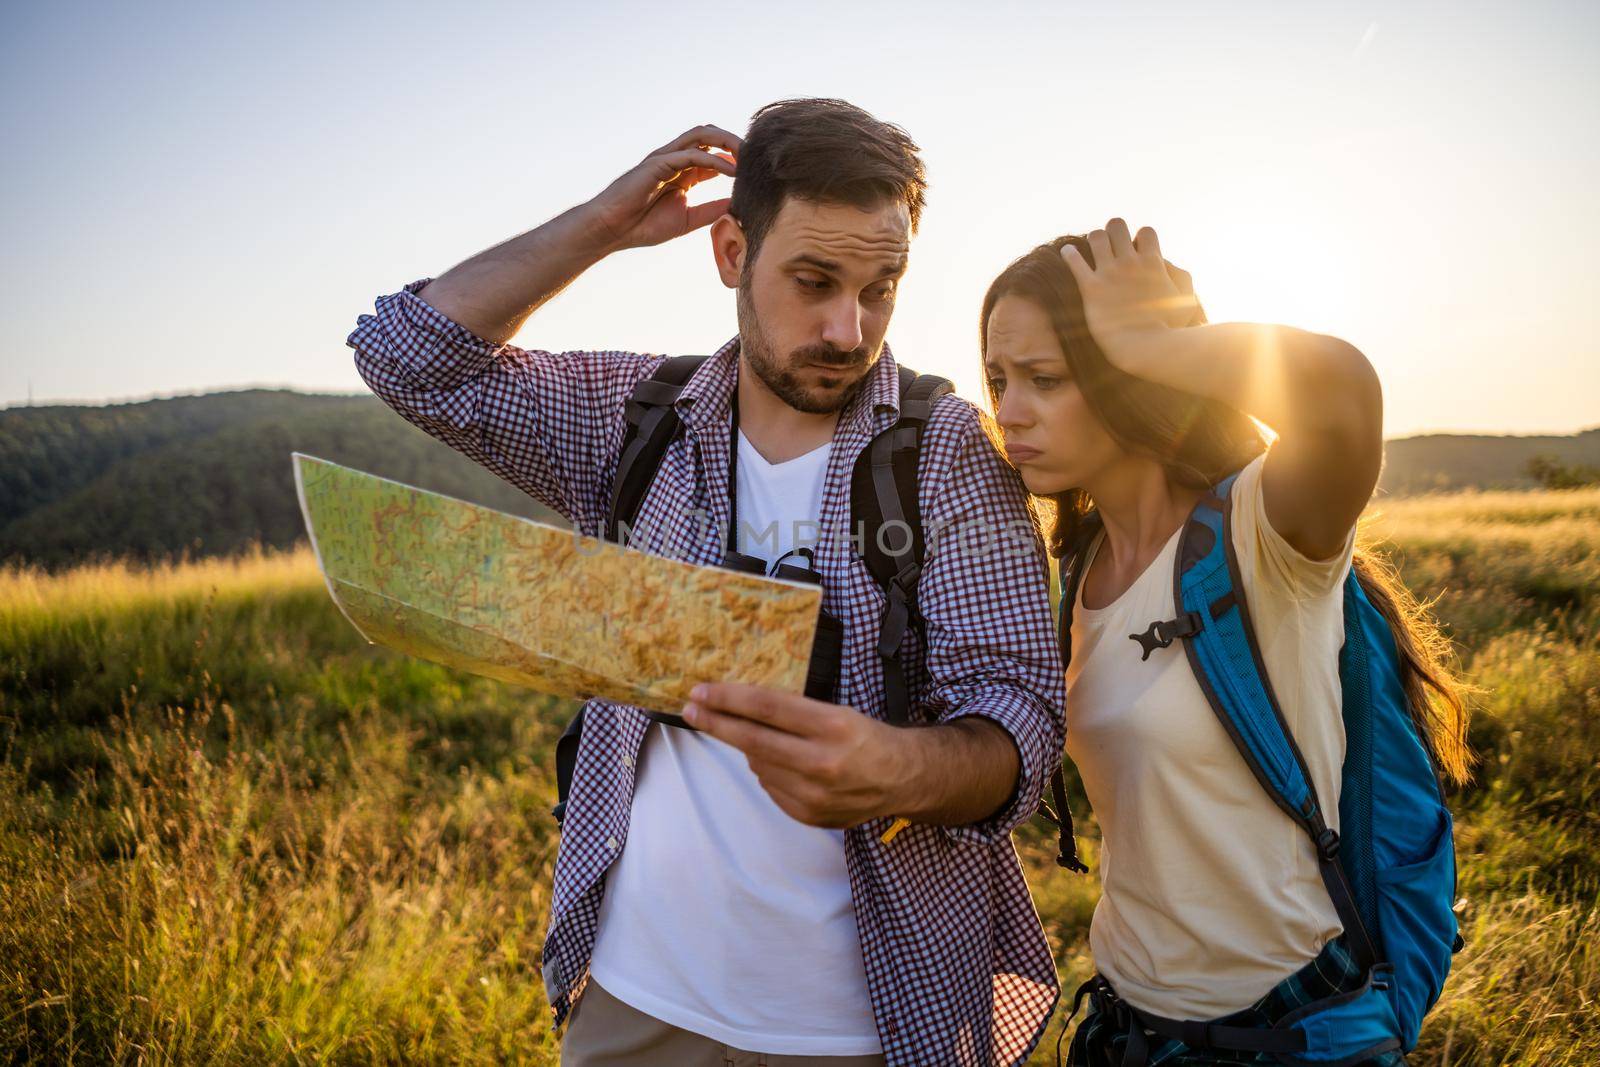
[231,832]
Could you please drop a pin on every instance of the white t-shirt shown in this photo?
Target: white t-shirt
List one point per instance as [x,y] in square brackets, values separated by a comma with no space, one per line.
[1210,893]
[723,915]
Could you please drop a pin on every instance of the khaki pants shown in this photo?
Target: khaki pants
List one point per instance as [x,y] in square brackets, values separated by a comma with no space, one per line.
[605,1032]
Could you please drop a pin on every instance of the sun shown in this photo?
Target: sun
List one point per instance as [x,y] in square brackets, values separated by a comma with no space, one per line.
[1277,262]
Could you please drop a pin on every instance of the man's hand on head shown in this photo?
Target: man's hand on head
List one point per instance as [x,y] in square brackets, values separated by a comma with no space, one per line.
[493,293]
[650,203]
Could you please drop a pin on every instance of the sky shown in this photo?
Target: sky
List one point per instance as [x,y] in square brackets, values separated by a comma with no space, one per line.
[197,197]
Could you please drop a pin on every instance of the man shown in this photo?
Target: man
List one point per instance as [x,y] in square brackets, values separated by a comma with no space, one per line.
[725,894]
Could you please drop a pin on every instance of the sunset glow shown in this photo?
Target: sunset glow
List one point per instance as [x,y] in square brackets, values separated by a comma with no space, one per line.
[214,207]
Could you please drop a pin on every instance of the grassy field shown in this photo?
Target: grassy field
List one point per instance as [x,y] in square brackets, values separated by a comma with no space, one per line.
[231,832]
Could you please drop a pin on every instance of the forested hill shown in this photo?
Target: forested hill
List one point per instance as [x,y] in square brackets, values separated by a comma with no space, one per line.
[211,474]
[207,474]
[1435,462]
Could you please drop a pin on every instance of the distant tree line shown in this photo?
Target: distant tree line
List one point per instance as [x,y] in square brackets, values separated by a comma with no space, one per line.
[1448,462]
[1551,473]
[211,474]
[202,475]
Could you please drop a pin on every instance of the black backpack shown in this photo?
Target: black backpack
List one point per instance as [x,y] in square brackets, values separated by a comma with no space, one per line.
[883,489]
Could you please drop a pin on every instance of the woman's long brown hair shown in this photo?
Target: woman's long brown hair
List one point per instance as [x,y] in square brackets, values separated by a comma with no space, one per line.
[1198,442]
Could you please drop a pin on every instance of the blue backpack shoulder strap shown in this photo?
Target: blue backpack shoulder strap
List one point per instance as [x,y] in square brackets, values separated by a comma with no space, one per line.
[1220,640]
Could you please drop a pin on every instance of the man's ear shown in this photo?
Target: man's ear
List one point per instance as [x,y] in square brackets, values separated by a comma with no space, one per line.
[728,248]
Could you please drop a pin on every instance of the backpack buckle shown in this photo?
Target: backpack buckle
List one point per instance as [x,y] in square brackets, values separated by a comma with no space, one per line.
[1328,844]
[1162,634]
[906,578]
[1071,863]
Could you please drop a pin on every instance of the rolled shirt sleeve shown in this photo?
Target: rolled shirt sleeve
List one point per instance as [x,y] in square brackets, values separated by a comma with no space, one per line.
[549,423]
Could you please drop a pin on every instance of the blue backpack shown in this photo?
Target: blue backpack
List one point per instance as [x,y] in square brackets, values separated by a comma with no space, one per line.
[1391,872]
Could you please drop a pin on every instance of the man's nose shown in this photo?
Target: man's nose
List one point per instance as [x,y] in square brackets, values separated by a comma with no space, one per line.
[842,328]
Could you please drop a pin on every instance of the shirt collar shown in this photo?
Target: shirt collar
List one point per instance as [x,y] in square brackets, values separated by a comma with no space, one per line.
[706,399]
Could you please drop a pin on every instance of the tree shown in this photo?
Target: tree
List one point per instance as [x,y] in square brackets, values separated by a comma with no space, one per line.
[1551,473]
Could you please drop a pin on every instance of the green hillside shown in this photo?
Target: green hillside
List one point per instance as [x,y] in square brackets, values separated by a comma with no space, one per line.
[209,474]
[204,474]
[1442,462]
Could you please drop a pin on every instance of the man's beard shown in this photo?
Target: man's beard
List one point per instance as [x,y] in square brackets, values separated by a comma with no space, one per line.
[784,383]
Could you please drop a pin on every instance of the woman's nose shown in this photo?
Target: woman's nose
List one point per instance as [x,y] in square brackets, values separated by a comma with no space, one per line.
[1012,412]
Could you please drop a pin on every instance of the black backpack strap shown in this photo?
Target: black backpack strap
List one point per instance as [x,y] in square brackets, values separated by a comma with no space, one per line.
[566,763]
[883,500]
[652,424]
[1073,564]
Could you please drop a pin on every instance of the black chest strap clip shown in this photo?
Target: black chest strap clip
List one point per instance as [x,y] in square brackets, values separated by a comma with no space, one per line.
[1162,634]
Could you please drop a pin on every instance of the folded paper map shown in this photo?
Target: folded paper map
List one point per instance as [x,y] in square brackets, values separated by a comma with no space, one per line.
[540,606]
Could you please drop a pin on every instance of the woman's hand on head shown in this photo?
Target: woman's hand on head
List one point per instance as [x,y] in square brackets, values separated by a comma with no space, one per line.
[1185,283]
[1319,394]
[1130,292]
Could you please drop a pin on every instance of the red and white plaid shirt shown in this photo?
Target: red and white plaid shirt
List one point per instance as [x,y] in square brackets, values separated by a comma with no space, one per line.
[957,964]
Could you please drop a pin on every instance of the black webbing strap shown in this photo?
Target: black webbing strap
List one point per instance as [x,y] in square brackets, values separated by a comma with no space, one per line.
[1136,1024]
[652,424]
[884,490]
[1326,842]
[1073,563]
[1204,1035]
[566,763]
[1066,842]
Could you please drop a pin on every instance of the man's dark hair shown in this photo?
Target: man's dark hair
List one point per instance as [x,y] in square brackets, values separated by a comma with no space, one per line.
[825,151]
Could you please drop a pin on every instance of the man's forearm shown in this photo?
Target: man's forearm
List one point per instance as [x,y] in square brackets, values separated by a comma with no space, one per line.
[495,291]
[959,772]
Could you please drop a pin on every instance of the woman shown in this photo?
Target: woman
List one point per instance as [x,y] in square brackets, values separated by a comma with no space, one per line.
[1116,399]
